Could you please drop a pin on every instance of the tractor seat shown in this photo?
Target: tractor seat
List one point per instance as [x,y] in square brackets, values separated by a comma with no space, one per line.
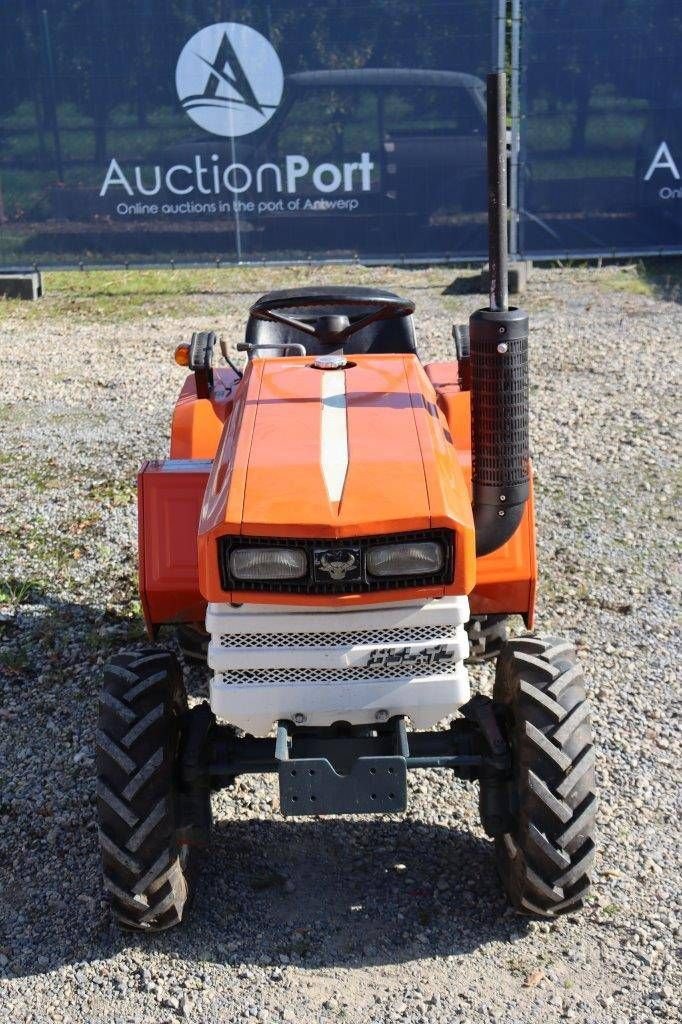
[392,336]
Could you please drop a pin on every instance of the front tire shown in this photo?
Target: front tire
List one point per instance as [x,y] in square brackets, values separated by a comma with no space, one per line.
[546,858]
[147,872]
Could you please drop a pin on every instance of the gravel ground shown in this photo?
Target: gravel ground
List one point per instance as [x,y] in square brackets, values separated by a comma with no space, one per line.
[355,920]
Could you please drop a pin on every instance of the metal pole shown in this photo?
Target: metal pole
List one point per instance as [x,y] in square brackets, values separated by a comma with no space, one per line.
[235,209]
[515,130]
[233,157]
[52,94]
[499,35]
[497,190]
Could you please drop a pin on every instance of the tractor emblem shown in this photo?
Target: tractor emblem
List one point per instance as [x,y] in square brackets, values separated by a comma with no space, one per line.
[338,568]
[338,564]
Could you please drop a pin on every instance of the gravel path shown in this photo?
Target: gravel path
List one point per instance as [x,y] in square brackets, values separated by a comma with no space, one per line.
[354,920]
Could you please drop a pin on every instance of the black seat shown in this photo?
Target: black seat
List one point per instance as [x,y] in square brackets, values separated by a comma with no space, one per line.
[383,336]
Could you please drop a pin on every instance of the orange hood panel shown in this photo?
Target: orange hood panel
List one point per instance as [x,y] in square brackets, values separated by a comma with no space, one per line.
[337,453]
[325,456]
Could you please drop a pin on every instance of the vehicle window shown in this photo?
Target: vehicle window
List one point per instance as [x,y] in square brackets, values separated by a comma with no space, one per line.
[330,124]
[429,111]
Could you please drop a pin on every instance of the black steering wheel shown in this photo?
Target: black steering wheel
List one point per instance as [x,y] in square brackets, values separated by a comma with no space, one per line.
[335,328]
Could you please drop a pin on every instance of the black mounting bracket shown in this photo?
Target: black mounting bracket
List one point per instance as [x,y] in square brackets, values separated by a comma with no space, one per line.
[342,769]
[365,783]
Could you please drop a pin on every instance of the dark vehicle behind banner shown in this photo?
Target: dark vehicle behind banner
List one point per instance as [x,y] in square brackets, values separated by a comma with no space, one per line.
[393,157]
[143,132]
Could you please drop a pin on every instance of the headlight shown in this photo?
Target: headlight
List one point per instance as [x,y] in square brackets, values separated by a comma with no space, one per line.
[416,559]
[268,564]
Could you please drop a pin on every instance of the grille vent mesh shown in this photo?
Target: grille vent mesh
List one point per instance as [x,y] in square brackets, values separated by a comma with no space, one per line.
[298,676]
[400,635]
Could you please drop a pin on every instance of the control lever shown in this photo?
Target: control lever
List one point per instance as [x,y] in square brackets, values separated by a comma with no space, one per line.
[226,357]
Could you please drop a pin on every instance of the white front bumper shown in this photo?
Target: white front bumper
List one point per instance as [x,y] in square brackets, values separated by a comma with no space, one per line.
[276,662]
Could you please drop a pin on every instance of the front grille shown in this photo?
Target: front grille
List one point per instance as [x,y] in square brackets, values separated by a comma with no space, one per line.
[322,676]
[310,585]
[352,638]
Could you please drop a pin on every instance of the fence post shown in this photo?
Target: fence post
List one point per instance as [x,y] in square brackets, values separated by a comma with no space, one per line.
[52,95]
[499,16]
[514,183]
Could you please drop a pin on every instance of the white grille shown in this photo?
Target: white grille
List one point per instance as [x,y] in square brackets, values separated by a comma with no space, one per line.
[338,663]
[353,638]
[351,673]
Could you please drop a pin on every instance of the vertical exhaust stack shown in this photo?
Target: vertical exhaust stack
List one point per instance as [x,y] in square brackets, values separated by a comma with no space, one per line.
[499,365]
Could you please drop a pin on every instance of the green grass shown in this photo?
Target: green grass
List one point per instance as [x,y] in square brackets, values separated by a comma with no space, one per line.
[628,279]
[139,283]
[665,277]
[657,277]
[50,556]
[113,493]
[202,295]
[15,592]
[123,296]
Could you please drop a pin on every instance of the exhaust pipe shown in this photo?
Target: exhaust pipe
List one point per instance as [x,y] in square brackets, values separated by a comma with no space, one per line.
[499,365]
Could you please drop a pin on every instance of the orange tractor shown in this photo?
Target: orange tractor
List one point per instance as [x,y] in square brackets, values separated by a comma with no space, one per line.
[340,530]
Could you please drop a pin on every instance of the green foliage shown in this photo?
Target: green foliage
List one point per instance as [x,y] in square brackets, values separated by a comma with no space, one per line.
[142,295]
[15,592]
[113,493]
[627,279]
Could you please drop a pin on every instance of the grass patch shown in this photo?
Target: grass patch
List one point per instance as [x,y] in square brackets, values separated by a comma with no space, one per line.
[49,552]
[48,475]
[665,277]
[122,296]
[14,592]
[628,280]
[114,493]
[658,277]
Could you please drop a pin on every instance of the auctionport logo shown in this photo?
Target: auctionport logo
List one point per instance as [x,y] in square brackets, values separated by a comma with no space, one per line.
[230,82]
[229,79]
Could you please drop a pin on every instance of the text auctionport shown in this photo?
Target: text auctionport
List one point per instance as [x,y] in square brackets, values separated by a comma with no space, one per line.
[213,178]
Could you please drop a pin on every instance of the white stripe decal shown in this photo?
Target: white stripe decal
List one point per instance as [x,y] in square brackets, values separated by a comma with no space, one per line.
[334,432]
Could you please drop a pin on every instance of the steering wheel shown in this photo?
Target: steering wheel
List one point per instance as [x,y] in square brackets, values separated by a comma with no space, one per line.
[331,329]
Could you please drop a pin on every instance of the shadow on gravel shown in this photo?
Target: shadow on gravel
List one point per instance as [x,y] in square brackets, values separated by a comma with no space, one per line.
[354,892]
[274,893]
[665,277]
[470,284]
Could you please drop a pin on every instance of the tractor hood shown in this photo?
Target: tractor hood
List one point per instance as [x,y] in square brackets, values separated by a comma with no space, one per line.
[334,448]
[335,453]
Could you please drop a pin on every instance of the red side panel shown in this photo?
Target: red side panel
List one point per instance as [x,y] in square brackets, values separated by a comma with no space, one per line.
[170,494]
